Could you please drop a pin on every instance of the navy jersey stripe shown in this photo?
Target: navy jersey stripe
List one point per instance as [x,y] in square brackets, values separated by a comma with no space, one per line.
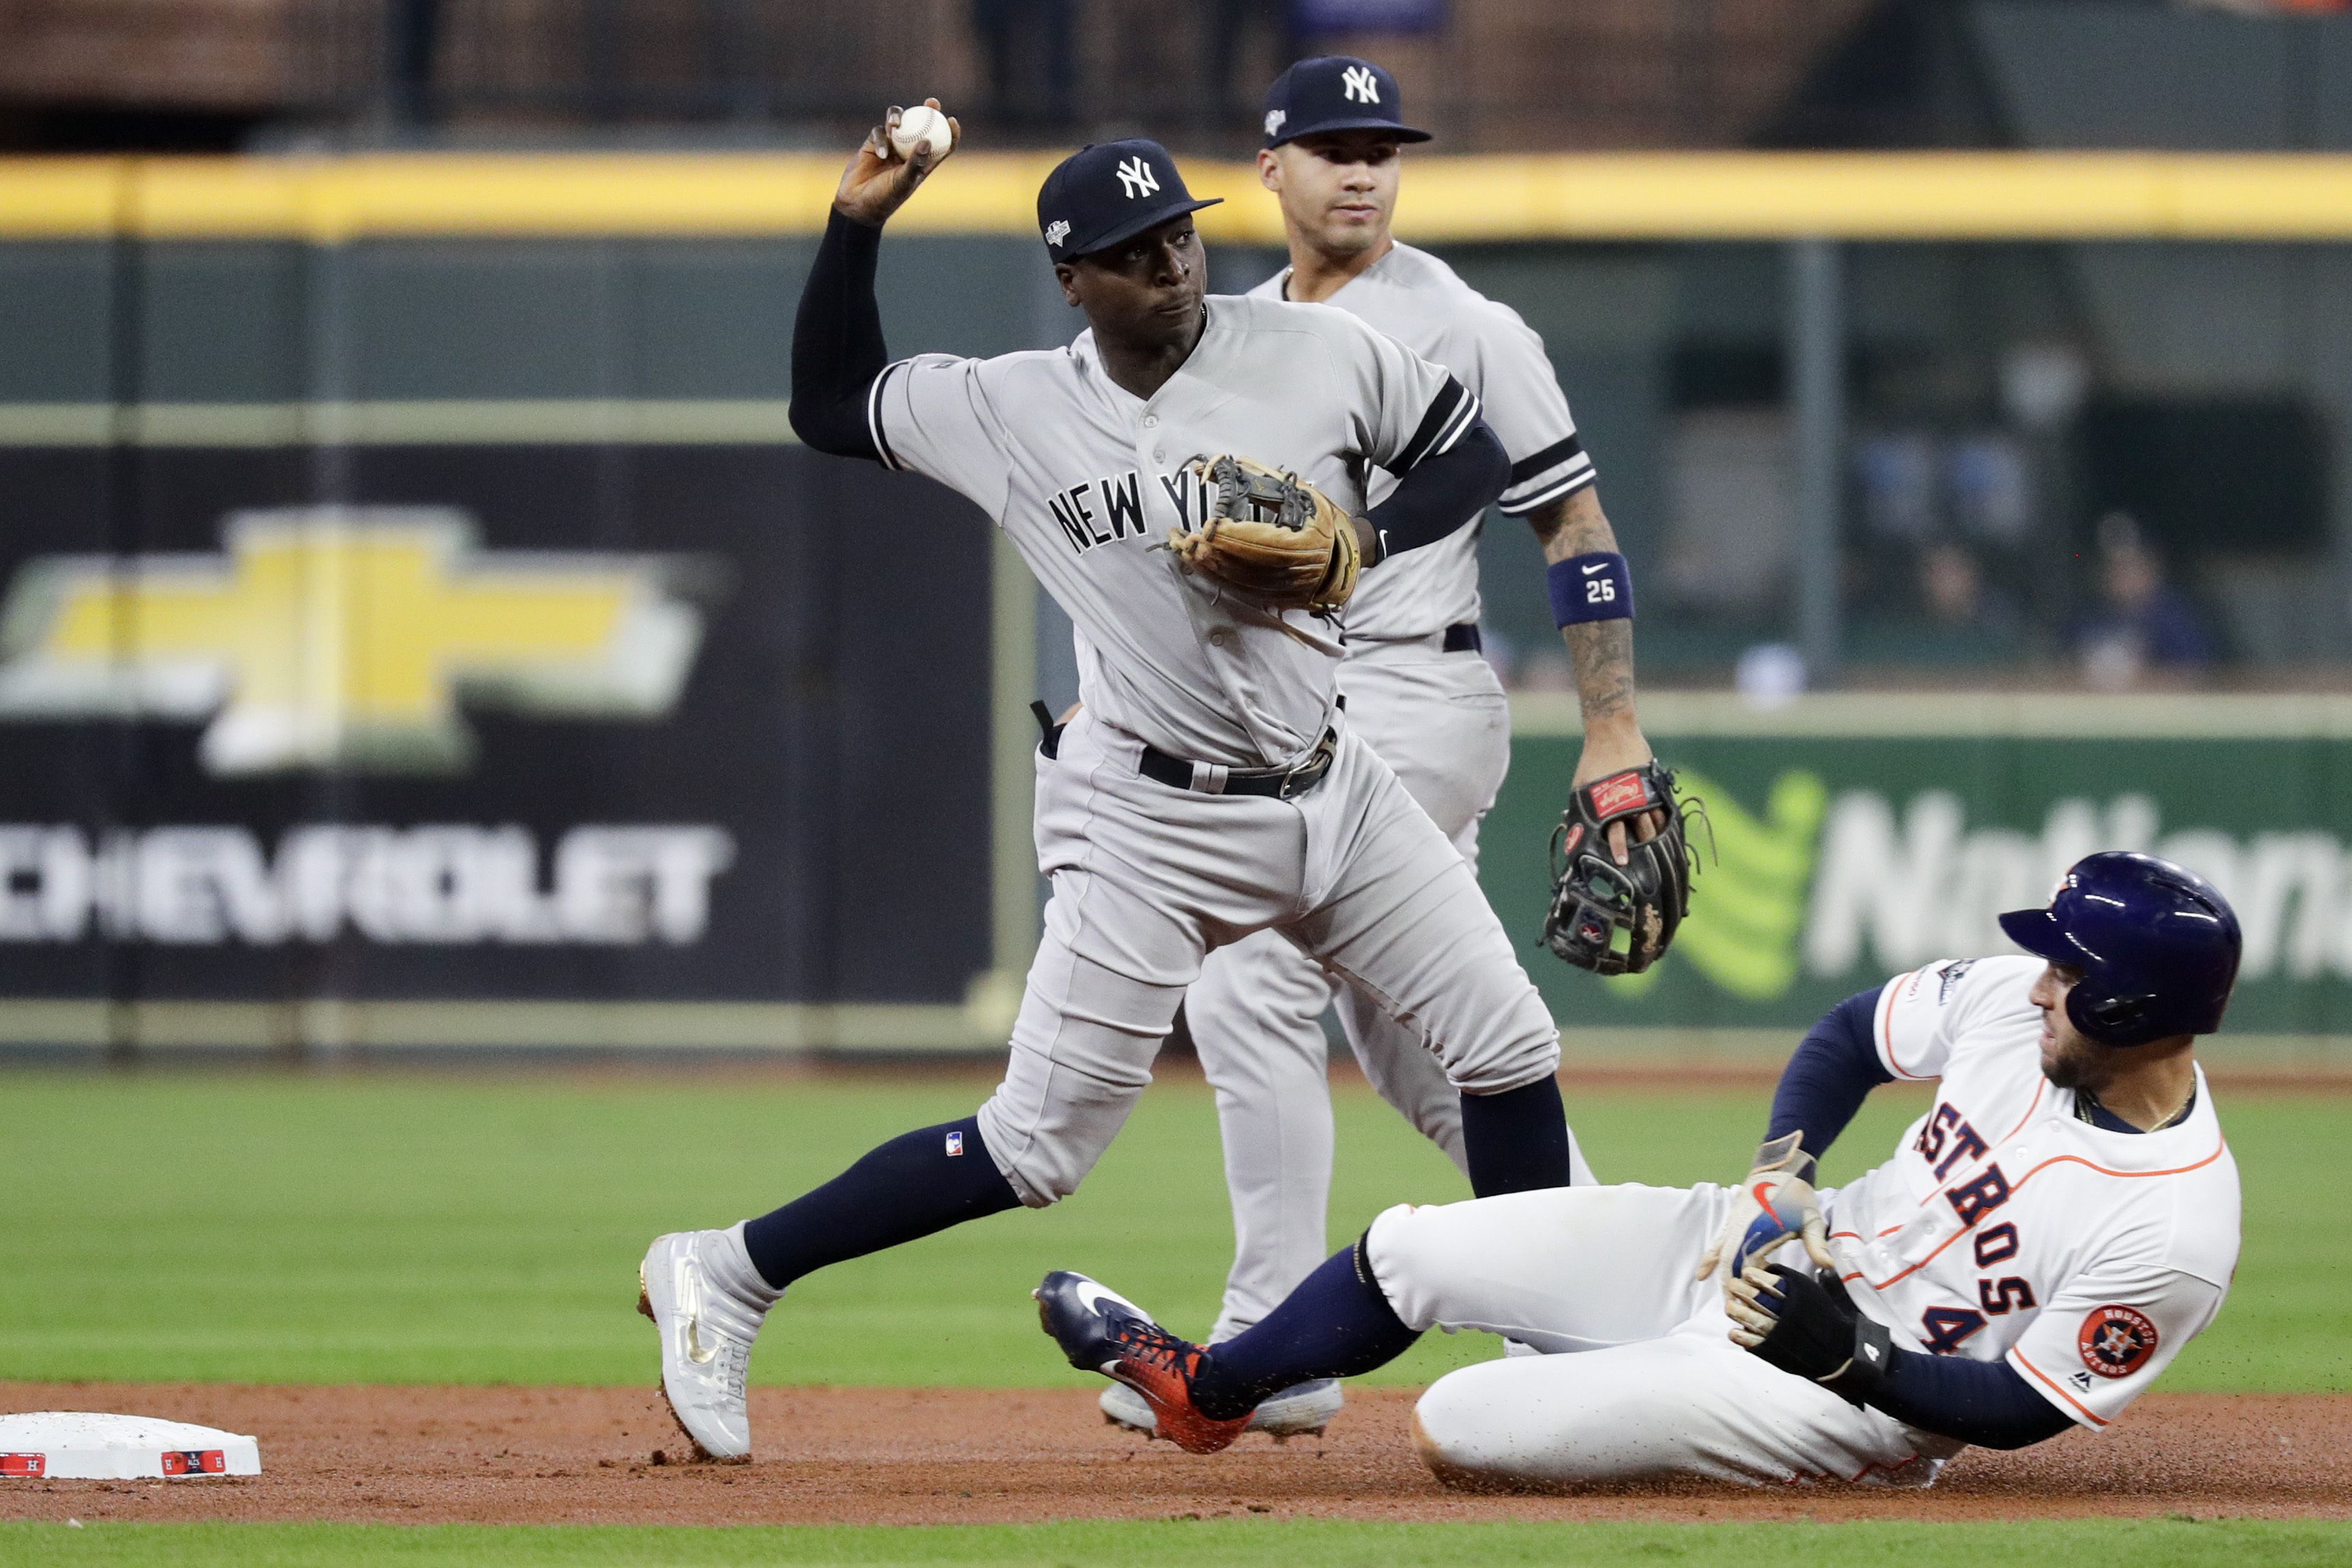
[1543,462]
[874,416]
[1569,483]
[1434,423]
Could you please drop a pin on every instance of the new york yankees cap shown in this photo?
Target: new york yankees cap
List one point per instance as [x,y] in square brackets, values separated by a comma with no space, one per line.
[1110,191]
[1334,92]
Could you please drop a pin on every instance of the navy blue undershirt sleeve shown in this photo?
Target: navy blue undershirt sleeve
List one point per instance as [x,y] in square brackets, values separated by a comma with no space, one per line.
[1830,1075]
[1443,493]
[1981,1402]
[837,348]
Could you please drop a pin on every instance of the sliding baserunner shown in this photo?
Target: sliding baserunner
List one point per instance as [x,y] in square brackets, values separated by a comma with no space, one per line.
[2041,1246]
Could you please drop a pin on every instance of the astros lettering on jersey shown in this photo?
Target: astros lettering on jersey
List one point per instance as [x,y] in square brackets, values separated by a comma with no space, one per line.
[2008,1227]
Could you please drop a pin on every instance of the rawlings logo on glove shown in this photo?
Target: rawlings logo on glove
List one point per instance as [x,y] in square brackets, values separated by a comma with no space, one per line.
[1271,534]
[1593,898]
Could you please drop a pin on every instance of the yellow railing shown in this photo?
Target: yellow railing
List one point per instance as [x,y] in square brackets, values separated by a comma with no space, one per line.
[1738,195]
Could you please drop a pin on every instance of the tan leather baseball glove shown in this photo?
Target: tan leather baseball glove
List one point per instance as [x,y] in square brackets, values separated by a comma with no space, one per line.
[1271,534]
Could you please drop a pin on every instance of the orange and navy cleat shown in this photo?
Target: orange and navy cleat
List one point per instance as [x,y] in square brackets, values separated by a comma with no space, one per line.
[1101,1331]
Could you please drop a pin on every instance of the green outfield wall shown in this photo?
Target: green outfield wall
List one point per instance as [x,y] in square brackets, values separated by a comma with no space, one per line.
[1853,837]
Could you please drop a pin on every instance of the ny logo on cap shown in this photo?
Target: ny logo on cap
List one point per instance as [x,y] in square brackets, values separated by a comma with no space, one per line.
[1136,178]
[1056,232]
[1360,85]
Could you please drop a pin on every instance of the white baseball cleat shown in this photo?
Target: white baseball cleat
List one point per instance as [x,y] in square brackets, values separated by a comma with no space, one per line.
[698,1299]
[1302,1410]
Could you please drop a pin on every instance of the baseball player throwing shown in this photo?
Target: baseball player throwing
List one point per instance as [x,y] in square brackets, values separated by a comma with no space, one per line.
[2041,1246]
[1189,480]
[1418,691]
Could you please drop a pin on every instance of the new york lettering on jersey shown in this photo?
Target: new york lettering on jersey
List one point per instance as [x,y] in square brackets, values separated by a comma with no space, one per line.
[1085,480]
[2008,1227]
[1120,503]
[1414,297]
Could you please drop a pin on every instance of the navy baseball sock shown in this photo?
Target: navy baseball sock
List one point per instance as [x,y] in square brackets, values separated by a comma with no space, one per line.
[1516,1141]
[916,1182]
[1338,1323]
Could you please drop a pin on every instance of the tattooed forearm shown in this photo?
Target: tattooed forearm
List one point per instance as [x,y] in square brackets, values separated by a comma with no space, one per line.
[1603,654]
[1574,525]
[1601,651]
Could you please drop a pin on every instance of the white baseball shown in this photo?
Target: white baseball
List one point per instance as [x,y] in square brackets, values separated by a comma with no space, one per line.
[917,125]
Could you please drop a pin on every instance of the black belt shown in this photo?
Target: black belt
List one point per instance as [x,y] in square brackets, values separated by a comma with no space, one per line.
[1461,637]
[1279,783]
[1177,774]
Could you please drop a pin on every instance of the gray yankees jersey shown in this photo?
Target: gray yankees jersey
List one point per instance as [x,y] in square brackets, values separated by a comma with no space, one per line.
[1419,301]
[1085,478]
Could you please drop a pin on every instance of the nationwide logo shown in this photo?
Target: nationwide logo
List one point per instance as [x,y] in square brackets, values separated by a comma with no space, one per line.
[1852,885]
[1745,922]
[345,637]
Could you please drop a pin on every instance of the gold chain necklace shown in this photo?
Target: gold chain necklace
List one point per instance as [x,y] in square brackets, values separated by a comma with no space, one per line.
[2085,1102]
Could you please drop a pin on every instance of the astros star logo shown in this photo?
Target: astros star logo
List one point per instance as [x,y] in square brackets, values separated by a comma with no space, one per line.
[2116,1340]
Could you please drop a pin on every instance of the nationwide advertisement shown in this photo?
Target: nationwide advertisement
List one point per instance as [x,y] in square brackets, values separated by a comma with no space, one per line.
[1830,861]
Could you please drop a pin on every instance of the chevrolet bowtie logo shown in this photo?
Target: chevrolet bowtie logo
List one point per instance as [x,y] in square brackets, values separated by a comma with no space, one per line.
[344,637]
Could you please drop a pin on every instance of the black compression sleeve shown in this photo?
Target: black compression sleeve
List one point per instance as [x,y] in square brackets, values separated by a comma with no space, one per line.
[837,342]
[1438,495]
[1830,1075]
[1980,1402]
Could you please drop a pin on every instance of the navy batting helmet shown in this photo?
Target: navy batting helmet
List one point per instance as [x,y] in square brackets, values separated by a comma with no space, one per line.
[2157,946]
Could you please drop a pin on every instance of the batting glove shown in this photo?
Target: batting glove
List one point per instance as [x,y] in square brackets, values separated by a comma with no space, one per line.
[1808,1327]
[1775,1205]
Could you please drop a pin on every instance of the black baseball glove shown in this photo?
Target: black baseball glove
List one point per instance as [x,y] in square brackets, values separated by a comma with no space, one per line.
[1593,898]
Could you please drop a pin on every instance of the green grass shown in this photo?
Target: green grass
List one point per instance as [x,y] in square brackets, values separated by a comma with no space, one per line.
[455,1227]
[1212,1543]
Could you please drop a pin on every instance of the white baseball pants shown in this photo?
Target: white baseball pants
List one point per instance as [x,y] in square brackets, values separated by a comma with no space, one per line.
[1640,1381]
[1442,725]
[1147,880]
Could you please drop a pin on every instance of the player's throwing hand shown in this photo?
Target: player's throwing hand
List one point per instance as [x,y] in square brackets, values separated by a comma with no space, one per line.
[880,178]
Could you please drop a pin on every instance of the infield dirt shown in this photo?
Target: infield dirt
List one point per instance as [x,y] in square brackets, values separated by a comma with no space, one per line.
[911,1455]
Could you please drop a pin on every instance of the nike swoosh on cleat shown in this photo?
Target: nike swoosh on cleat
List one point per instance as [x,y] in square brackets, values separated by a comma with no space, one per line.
[1092,1294]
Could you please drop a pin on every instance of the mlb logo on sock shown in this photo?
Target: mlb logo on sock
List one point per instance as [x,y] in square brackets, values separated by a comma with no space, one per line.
[955,1146]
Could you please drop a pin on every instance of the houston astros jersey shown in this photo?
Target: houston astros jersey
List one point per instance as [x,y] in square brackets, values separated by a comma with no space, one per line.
[1086,478]
[1423,304]
[2008,1227]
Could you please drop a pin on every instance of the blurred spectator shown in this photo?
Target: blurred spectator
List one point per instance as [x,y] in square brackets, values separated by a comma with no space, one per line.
[1951,585]
[1953,589]
[2141,622]
[1031,62]
[1952,616]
